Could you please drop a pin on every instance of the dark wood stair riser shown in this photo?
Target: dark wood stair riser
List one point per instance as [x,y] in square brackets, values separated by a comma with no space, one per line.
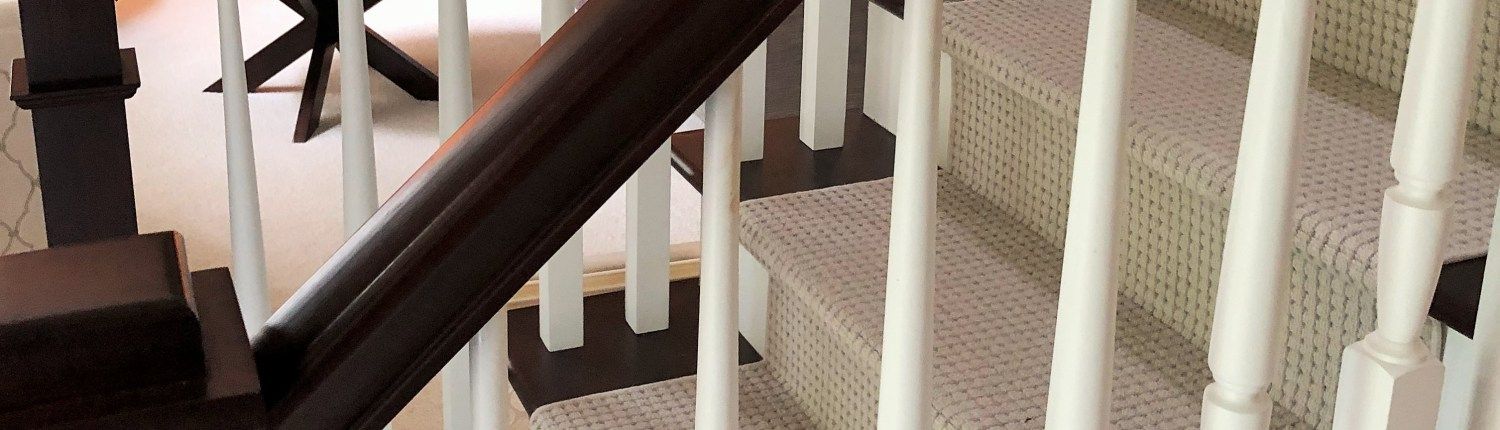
[612,356]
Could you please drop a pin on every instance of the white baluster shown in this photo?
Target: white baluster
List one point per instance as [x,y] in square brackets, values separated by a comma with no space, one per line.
[753,133]
[718,337]
[360,195]
[1471,395]
[755,292]
[455,104]
[648,237]
[554,14]
[560,296]
[246,241]
[491,388]
[883,48]
[825,72]
[945,108]
[906,355]
[1250,314]
[1389,379]
[1083,352]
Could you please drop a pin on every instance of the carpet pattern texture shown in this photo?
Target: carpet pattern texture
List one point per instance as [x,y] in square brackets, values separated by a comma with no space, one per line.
[1017,68]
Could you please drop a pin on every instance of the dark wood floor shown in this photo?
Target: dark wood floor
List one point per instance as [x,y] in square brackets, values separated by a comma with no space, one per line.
[869,153]
[612,356]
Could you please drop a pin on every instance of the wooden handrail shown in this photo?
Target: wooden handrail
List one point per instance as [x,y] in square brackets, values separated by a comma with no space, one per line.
[443,254]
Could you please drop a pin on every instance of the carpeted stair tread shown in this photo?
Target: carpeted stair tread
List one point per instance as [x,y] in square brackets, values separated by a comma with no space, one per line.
[1017,71]
[1187,106]
[996,298]
[764,404]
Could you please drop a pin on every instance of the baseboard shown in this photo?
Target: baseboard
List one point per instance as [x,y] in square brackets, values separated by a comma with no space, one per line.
[603,281]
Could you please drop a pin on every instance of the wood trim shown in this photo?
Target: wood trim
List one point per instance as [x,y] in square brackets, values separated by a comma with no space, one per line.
[601,282]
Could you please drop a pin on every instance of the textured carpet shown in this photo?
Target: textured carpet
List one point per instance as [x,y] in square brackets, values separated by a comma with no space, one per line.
[1017,66]
[996,297]
[1017,70]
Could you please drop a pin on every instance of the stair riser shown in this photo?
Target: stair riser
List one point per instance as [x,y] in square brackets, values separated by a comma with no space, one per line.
[1018,153]
[834,377]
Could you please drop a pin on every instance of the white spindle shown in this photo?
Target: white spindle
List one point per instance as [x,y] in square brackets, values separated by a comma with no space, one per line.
[906,355]
[1083,352]
[883,43]
[1389,379]
[560,296]
[648,239]
[246,241]
[825,72]
[361,197]
[1250,313]
[356,119]
[491,387]
[455,104]
[753,131]
[718,338]
[554,14]
[755,289]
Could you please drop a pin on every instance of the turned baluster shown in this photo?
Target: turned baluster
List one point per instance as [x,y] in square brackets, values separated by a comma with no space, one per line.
[1389,379]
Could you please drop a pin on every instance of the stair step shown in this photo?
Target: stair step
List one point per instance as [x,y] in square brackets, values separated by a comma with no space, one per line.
[764,404]
[1017,79]
[996,298]
[613,356]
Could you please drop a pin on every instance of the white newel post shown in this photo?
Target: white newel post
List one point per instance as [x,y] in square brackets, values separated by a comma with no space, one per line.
[718,337]
[560,296]
[825,72]
[360,195]
[1389,380]
[1250,312]
[246,242]
[906,353]
[1083,353]
[648,255]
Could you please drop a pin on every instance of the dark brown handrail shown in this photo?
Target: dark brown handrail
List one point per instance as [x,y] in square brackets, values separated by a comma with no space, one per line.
[441,257]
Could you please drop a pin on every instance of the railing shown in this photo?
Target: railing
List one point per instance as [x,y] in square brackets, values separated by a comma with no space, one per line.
[441,257]
[588,113]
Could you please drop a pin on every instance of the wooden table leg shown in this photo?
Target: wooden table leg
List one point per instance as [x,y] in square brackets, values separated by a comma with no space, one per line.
[318,70]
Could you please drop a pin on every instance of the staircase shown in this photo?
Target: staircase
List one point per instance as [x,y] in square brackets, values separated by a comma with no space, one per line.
[981,295]
[1002,212]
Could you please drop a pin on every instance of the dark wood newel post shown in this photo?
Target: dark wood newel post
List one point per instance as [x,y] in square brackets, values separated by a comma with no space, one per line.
[74,80]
